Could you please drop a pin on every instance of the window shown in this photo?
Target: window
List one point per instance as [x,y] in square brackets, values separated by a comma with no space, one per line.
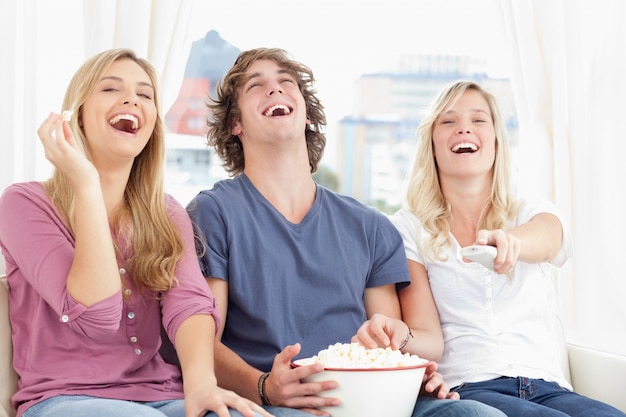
[373,88]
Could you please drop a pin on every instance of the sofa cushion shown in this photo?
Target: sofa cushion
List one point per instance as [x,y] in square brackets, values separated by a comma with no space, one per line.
[597,361]
[7,375]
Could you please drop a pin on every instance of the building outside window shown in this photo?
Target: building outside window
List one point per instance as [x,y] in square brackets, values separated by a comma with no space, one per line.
[373,146]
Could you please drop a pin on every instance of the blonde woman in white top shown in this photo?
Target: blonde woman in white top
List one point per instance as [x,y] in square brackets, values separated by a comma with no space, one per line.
[502,339]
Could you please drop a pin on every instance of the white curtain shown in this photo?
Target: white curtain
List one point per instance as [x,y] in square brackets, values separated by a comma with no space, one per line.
[43,42]
[155,29]
[569,81]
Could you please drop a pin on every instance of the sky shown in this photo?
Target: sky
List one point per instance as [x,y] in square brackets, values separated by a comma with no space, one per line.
[341,39]
[338,39]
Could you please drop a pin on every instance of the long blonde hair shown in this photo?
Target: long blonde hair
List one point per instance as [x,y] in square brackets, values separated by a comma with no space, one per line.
[143,219]
[424,196]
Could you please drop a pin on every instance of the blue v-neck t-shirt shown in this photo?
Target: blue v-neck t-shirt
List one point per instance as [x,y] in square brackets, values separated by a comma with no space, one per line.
[289,282]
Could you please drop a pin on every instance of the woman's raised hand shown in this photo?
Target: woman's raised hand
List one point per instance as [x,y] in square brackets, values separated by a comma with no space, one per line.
[61,149]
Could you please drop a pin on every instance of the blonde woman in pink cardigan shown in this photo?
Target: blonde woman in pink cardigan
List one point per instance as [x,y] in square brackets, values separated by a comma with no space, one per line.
[98,258]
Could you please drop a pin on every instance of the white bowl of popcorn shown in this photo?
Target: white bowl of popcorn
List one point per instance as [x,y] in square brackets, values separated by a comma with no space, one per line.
[372,382]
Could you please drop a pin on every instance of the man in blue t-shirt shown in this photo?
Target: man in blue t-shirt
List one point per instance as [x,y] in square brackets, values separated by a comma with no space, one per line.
[294,267]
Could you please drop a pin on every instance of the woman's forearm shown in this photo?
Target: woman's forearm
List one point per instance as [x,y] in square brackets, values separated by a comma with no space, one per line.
[94,274]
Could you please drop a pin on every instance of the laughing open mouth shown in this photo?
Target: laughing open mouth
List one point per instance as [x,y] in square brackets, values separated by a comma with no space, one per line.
[125,122]
[464,147]
[277,110]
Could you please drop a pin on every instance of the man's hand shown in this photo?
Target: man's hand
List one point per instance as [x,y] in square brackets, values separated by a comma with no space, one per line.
[284,386]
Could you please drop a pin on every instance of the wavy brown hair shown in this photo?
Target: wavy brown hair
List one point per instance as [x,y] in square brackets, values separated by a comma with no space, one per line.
[424,196]
[143,220]
[224,112]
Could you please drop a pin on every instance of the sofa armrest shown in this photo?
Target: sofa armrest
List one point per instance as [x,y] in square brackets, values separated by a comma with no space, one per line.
[597,368]
[7,375]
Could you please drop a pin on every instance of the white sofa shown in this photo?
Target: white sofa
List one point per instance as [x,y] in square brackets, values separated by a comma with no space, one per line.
[595,372]
[597,365]
[8,379]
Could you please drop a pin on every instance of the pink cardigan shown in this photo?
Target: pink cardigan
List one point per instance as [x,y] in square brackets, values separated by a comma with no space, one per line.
[107,350]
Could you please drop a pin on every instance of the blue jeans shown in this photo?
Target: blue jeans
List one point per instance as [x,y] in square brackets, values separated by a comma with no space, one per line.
[424,407]
[521,397]
[86,406]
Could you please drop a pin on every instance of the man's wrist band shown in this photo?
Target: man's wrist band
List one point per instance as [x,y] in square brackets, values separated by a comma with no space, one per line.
[261,387]
[409,335]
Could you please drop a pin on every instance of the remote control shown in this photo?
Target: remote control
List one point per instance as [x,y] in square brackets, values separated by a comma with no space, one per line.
[483,254]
